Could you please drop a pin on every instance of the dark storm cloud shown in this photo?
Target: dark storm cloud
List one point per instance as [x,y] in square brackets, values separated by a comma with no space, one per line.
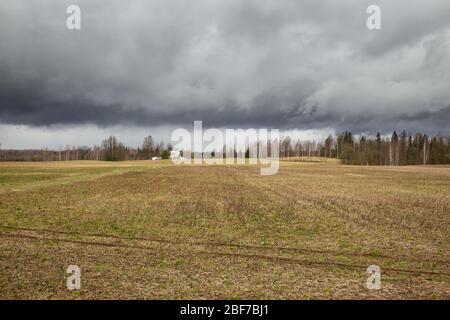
[280,64]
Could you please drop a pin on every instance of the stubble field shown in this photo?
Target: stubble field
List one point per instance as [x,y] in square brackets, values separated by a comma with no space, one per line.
[152,230]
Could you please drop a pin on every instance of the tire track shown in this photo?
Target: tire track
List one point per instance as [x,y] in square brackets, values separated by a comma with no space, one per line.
[190,252]
[226,244]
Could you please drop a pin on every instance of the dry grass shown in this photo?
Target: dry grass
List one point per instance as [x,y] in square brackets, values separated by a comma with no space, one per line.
[153,230]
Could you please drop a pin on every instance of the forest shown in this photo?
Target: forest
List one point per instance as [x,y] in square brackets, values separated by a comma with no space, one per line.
[397,149]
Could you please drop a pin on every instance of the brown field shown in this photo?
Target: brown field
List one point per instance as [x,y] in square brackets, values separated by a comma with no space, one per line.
[151,230]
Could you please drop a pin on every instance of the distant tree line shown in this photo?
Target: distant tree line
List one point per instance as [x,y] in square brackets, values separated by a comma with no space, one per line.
[110,149]
[403,149]
[400,149]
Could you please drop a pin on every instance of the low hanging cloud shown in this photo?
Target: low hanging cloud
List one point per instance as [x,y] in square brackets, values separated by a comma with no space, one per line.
[241,63]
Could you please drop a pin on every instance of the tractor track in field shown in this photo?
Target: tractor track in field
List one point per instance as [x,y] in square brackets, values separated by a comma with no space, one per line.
[225,244]
[137,244]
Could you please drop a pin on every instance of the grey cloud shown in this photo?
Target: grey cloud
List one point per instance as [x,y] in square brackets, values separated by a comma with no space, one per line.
[238,63]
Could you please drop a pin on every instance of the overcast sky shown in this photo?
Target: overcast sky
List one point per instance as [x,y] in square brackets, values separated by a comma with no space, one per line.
[146,67]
